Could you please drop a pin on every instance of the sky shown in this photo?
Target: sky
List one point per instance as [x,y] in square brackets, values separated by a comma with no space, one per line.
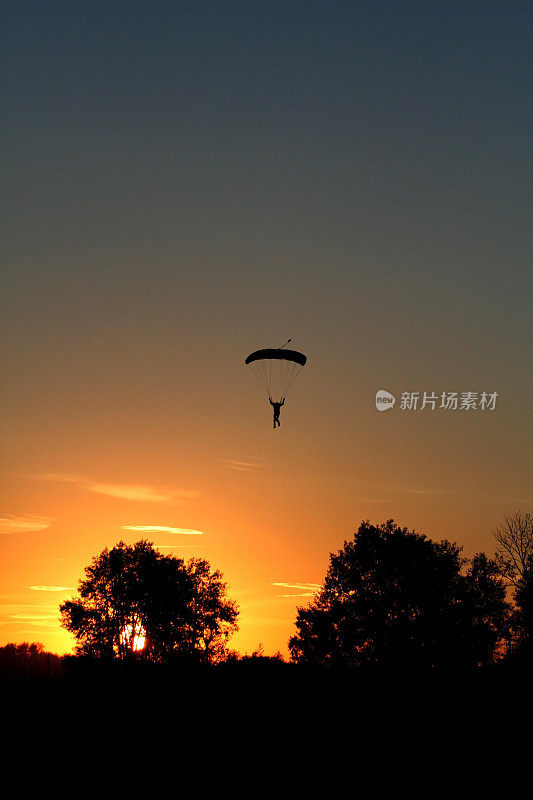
[185,183]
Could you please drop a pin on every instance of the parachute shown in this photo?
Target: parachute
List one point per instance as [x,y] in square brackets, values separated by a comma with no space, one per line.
[276,369]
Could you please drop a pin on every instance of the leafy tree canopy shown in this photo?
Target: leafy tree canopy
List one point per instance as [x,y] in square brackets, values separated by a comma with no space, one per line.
[392,597]
[137,603]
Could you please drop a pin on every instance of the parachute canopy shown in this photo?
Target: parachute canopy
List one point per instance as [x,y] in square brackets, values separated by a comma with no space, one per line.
[276,369]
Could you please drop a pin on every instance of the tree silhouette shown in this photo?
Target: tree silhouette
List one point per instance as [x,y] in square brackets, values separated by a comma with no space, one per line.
[136,603]
[514,553]
[523,615]
[28,659]
[394,598]
[514,559]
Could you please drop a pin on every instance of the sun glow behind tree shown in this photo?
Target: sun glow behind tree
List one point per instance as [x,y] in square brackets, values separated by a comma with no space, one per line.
[133,636]
[136,599]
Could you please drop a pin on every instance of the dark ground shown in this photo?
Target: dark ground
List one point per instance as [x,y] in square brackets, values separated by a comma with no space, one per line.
[263,708]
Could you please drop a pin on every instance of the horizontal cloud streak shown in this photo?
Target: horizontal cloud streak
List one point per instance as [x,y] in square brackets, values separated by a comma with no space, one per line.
[163,529]
[243,466]
[313,587]
[124,491]
[139,494]
[24,524]
[46,620]
[51,588]
[174,546]
[308,589]
[60,477]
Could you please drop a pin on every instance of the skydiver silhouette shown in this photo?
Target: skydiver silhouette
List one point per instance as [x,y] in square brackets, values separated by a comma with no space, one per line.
[276,407]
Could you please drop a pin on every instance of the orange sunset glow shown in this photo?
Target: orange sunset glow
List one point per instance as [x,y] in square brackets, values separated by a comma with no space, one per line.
[133,636]
[188,184]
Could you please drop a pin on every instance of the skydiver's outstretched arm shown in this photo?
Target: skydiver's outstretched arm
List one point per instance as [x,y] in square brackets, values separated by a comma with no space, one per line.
[282,401]
[270,400]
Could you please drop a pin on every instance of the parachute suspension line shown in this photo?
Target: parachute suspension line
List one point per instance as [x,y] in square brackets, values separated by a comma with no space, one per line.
[292,370]
[259,371]
[262,376]
[287,373]
[290,375]
[266,375]
[282,378]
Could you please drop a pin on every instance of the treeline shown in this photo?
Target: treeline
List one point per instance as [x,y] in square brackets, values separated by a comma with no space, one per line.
[29,660]
[393,598]
[392,602]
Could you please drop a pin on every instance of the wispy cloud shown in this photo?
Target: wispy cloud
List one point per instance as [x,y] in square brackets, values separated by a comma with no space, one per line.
[456,494]
[174,546]
[60,477]
[43,620]
[308,589]
[242,466]
[135,492]
[51,588]
[162,529]
[311,586]
[24,524]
